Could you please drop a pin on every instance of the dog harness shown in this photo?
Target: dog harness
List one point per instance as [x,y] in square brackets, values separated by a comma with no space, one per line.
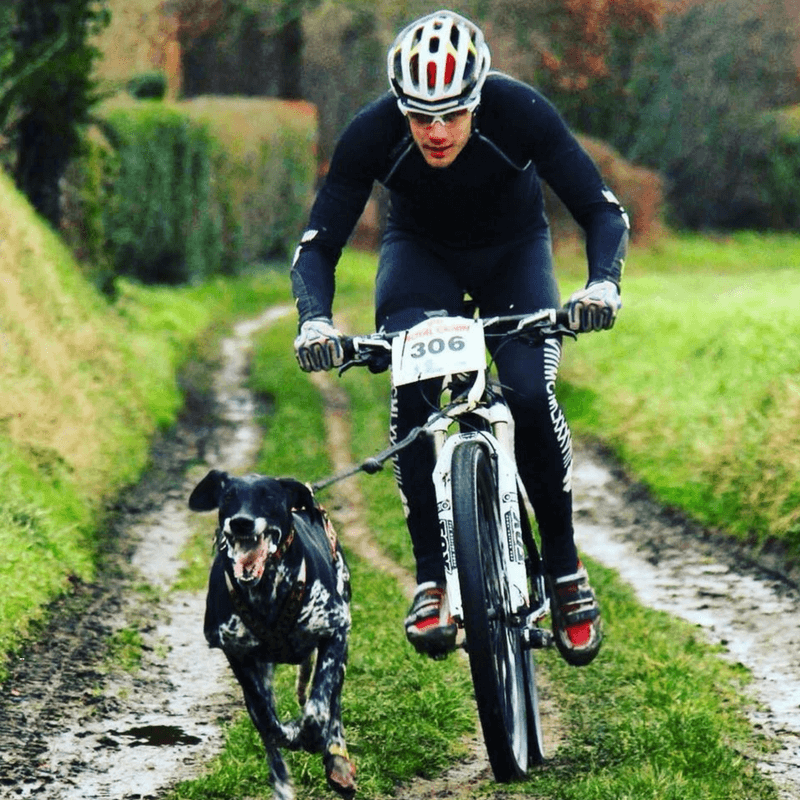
[274,636]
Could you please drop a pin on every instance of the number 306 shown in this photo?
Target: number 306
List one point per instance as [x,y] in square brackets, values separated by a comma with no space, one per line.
[434,347]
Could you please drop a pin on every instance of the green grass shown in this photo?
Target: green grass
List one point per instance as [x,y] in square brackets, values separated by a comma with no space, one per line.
[739,253]
[696,389]
[84,385]
[369,397]
[125,649]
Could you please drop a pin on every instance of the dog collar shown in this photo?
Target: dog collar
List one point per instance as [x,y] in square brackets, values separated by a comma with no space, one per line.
[283,546]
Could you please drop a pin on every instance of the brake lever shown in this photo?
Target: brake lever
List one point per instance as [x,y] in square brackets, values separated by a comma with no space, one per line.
[353,362]
[559,330]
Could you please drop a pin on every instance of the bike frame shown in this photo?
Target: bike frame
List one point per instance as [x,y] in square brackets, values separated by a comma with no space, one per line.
[499,446]
[498,442]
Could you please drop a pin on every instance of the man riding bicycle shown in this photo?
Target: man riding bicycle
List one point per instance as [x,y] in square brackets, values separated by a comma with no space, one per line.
[461,151]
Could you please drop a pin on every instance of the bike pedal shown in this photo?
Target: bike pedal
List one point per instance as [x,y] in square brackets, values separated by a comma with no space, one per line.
[537,638]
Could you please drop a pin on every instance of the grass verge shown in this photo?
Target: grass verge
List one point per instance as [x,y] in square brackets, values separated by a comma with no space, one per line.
[696,389]
[84,386]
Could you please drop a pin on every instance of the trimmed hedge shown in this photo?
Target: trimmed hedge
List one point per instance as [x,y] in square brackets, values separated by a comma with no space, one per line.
[176,192]
[161,220]
[265,167]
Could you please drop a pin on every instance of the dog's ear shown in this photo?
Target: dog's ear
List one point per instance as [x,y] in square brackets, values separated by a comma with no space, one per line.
[206,494]
[299,495]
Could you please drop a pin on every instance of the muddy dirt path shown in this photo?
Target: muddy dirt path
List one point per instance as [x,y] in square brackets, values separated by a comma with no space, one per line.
[72,727]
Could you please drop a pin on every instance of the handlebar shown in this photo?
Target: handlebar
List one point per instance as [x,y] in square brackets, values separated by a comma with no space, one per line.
[374,350]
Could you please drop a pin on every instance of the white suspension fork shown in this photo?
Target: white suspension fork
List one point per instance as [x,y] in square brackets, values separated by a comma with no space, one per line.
[512,546]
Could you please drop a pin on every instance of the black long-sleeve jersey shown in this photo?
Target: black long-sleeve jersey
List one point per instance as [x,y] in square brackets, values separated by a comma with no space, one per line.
[491,193]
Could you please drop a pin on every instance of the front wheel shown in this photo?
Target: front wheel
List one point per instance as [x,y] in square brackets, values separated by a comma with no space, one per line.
[536,590]
[494,643]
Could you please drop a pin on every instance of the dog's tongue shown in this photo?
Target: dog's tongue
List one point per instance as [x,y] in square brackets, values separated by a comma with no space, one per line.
[249,567]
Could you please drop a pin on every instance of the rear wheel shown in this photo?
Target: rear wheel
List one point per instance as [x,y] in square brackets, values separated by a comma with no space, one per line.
[494,643]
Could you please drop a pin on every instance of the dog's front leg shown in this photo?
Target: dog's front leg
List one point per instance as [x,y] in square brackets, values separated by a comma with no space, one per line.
[322,728]
[255,678]
[326,685]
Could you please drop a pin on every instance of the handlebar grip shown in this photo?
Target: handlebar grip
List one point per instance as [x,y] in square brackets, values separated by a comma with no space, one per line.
[348,348]
[562,316]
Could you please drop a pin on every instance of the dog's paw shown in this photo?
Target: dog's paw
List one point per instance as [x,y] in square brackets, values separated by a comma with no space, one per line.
[340,772]
[290,734]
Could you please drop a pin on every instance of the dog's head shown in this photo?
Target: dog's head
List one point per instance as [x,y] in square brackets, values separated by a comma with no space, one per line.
[255,516]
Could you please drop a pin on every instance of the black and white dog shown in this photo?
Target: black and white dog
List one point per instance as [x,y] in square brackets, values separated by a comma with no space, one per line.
[279,593]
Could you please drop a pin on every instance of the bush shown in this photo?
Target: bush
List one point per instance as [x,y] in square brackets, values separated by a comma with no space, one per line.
[265,165]
[161,221]
[695,112]
[781,173]
[148,86]
[640,191]
[173,193]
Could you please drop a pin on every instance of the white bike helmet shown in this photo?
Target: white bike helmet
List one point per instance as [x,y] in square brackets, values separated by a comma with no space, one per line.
[438,64]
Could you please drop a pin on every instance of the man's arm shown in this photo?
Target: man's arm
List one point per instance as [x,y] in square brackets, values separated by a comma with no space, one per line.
[354,167]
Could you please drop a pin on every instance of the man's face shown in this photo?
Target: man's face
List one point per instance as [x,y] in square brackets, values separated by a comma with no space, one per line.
[440,138]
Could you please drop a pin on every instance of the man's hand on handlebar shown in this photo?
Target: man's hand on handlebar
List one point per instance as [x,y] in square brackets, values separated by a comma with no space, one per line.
[595,307]
[318,345]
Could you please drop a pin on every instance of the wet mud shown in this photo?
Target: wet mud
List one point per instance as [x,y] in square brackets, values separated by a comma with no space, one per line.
[752,609]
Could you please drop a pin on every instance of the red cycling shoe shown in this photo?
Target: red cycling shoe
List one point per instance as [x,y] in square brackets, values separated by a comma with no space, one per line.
[429,629]
[576,617]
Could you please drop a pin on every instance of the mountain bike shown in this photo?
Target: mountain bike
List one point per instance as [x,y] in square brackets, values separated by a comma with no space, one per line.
[495,581]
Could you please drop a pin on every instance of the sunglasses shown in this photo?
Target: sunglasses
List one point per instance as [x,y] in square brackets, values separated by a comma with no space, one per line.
[429,120]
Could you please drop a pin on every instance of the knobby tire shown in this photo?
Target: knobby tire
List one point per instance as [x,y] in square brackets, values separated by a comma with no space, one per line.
[498,661]
[535,585]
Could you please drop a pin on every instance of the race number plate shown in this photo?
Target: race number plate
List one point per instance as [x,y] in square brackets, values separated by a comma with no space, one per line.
[436,347]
